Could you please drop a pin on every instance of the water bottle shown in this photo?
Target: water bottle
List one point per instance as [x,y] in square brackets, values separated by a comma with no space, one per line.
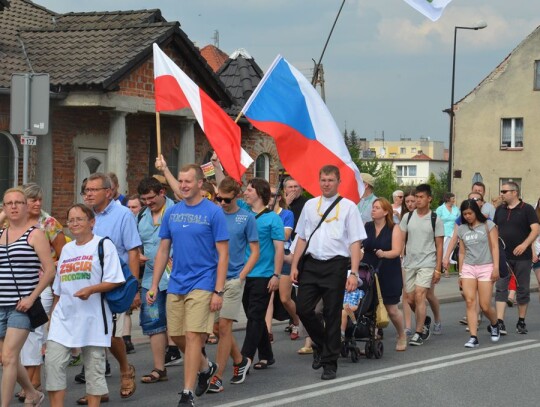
[153,311]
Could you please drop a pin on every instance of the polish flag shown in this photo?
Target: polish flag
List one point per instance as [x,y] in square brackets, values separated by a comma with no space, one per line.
[174,90]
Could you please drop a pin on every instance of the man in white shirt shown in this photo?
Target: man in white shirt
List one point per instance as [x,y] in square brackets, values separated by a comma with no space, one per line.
[332,247]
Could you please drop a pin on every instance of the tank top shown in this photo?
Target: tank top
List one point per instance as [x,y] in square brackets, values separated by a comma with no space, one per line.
[25,265]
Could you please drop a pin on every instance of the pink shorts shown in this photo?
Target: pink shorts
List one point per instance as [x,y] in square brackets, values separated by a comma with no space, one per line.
[480,272]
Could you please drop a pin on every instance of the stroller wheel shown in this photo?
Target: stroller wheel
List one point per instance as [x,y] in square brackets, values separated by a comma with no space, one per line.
[379,349]
[369,350]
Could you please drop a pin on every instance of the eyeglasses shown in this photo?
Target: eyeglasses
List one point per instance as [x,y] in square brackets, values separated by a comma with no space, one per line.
[93,190]
[226,200]
[14,203]
[149,198]
[476,199]
[399,196]
[74,221]
[504,191]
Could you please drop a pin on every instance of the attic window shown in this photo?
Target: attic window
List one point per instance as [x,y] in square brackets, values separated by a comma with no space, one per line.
[511,133]
[536,75]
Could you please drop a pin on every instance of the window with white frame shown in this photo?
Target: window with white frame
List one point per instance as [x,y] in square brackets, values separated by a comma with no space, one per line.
[536,75]
[403,150]
[511,133]
[413,150]
[406,170]
[262,167]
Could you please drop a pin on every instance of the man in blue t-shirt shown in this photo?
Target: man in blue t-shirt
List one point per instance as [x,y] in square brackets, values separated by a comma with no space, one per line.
[243,233]
[196,229]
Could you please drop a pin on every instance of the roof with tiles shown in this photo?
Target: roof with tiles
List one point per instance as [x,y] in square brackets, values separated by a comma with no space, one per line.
[421,156]
[94,49]
[241,75]
[214,56]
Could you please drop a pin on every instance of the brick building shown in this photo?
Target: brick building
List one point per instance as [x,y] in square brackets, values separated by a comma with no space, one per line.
[102,99]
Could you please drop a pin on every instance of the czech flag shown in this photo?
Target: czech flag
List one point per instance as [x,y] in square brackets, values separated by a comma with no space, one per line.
[288,108]
[432,9]
[174,90]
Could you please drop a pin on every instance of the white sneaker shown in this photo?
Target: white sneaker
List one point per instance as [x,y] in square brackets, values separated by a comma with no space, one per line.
[437,328]
[495,334]
[472,343]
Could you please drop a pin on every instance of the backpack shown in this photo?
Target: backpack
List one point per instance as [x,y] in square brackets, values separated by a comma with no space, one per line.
[121,297]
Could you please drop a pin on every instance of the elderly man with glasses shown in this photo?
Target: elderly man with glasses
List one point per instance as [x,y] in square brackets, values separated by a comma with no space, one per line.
[518,227]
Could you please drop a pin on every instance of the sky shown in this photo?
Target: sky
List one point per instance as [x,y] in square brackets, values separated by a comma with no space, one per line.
[387,68]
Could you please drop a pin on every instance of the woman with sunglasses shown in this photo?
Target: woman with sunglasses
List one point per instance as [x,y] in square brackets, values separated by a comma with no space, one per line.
[479,267]
[24,250]
[80,317]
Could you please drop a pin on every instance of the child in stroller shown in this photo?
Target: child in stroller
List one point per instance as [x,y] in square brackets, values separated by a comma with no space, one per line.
[359,321]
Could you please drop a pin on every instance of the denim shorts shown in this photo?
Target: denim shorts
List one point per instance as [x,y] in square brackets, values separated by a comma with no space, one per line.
[151,327]
[11,318]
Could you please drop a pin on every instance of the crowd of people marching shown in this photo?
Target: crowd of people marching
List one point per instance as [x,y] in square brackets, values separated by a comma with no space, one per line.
[214,251]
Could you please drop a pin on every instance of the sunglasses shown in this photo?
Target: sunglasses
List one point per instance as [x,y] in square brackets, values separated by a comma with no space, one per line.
[226,200]
[504,191]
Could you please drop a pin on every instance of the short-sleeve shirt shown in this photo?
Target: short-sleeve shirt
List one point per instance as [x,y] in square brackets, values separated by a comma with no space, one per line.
[421,251]
[514,227]
[342,227]
[476,241]
[364,206]
[194,231]
[149,233]
[52,228]
[242,230]
[269,228]
[448,218]
[76,322]
[287,217]
[118,223]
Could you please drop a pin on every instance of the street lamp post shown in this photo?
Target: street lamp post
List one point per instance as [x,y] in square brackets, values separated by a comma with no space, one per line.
[480,25]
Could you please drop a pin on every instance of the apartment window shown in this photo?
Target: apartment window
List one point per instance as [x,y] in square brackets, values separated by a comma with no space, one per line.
[413,150]
[406,170]
[536,75]
[403,150]
[262,167]
[511,133]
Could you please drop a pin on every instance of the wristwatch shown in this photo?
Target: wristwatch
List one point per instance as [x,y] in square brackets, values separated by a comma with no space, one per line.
[219,293]
[278,276]
[353,273]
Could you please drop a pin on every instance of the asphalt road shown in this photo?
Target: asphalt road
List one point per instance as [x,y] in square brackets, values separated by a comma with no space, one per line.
[442,372]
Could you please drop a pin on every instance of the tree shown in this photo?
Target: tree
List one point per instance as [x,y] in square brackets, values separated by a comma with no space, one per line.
[438,188]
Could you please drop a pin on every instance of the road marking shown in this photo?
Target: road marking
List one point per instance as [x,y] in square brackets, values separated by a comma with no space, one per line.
[381,374]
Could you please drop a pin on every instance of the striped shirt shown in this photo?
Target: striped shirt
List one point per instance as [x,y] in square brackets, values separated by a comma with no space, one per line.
[25,267]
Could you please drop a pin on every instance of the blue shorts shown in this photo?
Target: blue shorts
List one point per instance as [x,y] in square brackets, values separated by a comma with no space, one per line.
[536,265]
[286,269]
[150,327]
[11,318]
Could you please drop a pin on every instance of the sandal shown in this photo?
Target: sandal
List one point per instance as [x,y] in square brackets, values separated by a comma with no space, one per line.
[127,383]
[212,339]
[401,345]
[37,401]
[83,401]
[152,378]
[263,364]
[305,350]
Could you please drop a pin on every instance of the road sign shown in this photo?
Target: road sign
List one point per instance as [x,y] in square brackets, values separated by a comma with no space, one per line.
[38,95]
[28,140]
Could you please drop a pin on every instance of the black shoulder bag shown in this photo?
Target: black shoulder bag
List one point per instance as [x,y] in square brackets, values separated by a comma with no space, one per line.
[302,259]
[36,313]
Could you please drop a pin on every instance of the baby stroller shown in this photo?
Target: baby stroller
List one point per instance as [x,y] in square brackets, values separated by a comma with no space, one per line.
[362,324]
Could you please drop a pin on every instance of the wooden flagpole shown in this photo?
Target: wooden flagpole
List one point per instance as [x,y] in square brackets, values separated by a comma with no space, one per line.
[158,134]
[238,117]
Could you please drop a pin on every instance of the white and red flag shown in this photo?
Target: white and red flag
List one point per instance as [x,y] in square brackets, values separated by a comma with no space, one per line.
[174,90]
